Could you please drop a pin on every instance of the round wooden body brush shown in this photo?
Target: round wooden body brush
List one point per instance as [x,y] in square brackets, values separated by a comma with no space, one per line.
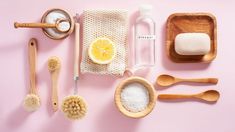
[54,68]
[74,106]
[32,101]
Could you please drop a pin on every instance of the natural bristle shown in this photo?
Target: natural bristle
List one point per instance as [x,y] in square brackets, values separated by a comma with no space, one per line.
[74,107]
[53,63]
[31,102]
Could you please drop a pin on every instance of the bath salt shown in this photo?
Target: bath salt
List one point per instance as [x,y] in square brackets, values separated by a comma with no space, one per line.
[135,97]
[51,18]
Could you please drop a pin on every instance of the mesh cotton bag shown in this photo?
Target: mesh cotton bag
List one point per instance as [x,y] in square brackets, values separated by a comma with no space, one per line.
[105,23]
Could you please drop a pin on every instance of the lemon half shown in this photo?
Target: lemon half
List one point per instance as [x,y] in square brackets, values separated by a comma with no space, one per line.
[102,51]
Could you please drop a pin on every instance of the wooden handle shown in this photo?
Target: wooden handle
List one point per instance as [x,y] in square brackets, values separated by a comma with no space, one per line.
[174,96]
[200,80]
[76,51]
[32,64]
[34,25]
[54,97]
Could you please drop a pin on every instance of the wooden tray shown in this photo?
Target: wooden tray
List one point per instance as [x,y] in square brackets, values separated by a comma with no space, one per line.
[191,22]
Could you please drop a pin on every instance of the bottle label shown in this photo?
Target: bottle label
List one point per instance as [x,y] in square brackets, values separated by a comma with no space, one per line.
[146,37]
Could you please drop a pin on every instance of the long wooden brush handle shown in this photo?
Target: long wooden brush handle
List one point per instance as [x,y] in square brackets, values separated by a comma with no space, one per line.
[76,51]
[32,64]
[34,25]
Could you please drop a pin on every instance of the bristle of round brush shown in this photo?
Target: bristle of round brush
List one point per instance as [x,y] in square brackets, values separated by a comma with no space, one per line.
[53,63]
[31,102]
[74,107]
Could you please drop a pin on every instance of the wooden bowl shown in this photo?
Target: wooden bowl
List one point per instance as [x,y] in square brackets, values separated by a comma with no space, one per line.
[147,85]
[190,23]
[60,35]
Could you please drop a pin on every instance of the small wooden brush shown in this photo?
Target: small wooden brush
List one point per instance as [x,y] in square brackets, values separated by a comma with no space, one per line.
[54,68]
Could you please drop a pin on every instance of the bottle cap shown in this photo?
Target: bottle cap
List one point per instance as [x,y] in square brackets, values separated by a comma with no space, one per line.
[145,10]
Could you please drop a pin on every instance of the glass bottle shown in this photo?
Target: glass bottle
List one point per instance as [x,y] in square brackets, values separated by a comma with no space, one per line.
[144,38]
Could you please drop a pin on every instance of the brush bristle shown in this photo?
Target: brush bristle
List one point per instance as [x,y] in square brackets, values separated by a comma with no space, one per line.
[53,63]
[74,107]
[31,102]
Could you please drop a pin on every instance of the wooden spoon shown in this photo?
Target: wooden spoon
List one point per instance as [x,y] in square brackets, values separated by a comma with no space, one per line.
[209,96]
[57,25]
[168,80]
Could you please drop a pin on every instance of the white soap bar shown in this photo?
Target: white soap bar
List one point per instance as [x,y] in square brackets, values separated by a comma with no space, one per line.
[192,43]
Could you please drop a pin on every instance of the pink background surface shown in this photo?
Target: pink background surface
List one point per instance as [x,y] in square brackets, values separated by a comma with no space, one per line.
[103,115]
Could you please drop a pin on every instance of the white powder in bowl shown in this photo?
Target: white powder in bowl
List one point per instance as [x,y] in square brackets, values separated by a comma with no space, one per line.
[135,97]
[51,18]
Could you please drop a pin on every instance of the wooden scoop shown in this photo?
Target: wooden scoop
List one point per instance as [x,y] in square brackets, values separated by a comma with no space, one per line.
[168,80]
[57,25]
[209,96]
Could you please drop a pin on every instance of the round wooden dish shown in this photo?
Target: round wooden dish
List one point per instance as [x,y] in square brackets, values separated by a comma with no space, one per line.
[147,85]
[60,35]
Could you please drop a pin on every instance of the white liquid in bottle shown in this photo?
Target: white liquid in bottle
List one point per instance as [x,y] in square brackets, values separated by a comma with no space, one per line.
[144,38]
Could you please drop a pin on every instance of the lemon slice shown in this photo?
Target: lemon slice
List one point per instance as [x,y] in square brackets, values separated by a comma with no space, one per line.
[102,51]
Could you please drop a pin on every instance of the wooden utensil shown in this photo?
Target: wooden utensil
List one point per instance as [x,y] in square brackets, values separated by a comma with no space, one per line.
[168,80]
[43,25]
[191,23]
[56,31]
[32,100]
[54,68]
[209,96]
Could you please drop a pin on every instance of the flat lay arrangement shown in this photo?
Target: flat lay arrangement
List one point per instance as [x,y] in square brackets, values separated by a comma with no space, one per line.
[190,38]
[117,66]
